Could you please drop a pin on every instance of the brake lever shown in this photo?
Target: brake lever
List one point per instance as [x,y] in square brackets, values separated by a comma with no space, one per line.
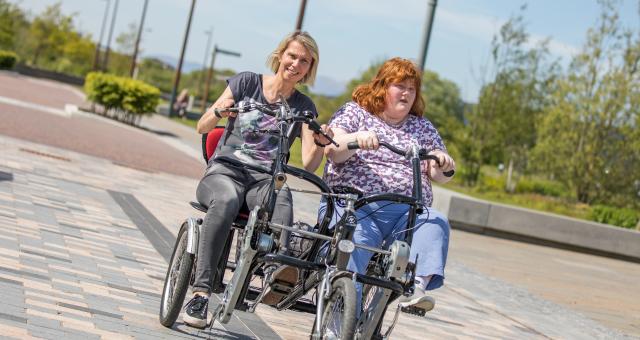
[315,127]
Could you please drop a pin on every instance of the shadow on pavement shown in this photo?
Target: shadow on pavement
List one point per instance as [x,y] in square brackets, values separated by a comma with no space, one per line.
[157,132]
[209,333]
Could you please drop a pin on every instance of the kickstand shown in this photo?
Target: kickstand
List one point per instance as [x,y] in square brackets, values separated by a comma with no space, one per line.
[393,323]
[213,316]
[268,279]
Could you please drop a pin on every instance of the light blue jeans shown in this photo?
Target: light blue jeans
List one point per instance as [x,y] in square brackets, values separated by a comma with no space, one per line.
[382,222]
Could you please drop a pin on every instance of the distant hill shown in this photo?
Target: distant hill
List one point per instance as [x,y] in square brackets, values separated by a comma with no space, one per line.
[324,85]
[187,66]
[328,86]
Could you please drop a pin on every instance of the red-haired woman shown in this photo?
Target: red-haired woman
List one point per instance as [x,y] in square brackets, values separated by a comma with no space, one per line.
[390,108]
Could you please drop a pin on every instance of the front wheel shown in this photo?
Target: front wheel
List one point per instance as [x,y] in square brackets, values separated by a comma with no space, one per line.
[339,315]
[176,283]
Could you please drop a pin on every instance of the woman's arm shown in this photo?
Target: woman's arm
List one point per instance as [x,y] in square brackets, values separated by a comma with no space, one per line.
[311,152]
[209,120]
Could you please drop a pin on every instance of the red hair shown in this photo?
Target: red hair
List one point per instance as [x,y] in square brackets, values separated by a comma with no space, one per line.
[371,96]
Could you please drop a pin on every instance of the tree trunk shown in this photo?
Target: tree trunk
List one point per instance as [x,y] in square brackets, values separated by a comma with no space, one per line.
[510,187]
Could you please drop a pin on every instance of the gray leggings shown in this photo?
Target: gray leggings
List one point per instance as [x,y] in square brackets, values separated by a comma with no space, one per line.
[224,189]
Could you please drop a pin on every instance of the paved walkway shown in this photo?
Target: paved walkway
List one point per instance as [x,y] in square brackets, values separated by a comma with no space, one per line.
[77,263]
[84,242]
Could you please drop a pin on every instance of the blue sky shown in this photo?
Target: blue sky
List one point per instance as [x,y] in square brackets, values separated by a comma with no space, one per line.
[351,33]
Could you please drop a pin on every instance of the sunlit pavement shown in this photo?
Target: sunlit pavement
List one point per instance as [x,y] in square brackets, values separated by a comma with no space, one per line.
[83,249]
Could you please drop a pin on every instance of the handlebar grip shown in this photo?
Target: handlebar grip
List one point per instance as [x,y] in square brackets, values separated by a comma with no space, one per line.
[449,173]
[228,109]
[353,146]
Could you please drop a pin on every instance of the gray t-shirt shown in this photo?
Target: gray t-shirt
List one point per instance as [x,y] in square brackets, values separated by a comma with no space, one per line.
[241,140]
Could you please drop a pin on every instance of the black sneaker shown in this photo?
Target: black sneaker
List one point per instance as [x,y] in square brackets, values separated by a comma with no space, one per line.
[195,312]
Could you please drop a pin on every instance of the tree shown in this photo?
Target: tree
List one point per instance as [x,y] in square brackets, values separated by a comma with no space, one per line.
[444,108]
[77,52]
[501,127]
[13,23]
[47,35]
[126,41]
[156,73]
[589,135]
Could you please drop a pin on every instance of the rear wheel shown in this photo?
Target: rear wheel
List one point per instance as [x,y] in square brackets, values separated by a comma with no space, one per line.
[176,283]
[339,315]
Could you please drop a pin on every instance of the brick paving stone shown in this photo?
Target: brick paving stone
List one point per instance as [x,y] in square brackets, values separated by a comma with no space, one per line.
[61,210]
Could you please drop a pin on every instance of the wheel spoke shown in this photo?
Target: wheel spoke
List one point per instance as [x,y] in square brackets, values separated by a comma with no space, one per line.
[334,322]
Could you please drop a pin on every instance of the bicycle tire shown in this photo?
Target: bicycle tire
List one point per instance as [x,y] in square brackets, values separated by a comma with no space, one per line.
[367,291]
[343,290]
[176,286]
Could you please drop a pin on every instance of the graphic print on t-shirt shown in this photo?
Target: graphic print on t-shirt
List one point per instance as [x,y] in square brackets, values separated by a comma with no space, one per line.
[259,144]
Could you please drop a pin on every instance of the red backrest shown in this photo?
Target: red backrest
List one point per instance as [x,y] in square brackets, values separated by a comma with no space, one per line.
[210,142]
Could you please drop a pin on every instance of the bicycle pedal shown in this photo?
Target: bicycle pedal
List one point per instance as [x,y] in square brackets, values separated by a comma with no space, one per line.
[414,310]
[282,287]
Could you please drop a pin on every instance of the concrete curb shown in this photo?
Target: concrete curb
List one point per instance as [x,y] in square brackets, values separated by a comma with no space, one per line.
[532,226]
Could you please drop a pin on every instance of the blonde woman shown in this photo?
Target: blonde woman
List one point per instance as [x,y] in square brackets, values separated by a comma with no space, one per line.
[226,185]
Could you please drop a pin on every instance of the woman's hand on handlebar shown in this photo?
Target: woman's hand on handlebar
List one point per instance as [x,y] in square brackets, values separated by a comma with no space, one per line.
[367,140]
[223,104]
[444,164]
[320,139]
[209,119]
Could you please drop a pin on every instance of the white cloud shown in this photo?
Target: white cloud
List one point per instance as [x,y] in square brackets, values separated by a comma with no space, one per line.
[473,25]
[484,27]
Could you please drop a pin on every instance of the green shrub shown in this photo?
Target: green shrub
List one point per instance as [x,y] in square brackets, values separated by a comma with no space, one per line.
[491,184]
[139,97]
[133,97]
[8,59]
[104,89]
[542,187]
[622,217]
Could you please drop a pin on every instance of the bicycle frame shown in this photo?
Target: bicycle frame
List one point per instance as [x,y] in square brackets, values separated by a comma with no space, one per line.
[257,245]
[399,273]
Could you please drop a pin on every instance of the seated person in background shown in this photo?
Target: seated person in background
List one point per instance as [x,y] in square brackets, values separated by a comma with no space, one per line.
[180,106]
[390,108]
[226,185]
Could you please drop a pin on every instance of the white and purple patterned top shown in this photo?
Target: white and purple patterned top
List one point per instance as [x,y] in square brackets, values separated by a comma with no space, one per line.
[381,171]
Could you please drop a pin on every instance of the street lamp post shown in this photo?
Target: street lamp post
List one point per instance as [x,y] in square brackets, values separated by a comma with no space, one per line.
[113,23]
[216,50]
[303,6]
[137,45]
[431,11]
[96,58]
[176,81]
[209,34]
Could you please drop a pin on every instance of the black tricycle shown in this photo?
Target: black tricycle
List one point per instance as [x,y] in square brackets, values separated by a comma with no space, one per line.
[258,247]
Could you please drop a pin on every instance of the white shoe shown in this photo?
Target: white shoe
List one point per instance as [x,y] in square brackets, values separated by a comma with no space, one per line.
[419,299]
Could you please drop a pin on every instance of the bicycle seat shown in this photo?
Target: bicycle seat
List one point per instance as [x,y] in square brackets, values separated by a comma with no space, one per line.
[210,142]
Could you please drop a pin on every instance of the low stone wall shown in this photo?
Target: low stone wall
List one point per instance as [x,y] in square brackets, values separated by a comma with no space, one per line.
[39,73]
[527,225]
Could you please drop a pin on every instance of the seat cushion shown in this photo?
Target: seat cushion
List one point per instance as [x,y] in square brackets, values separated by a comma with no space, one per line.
[210,142]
